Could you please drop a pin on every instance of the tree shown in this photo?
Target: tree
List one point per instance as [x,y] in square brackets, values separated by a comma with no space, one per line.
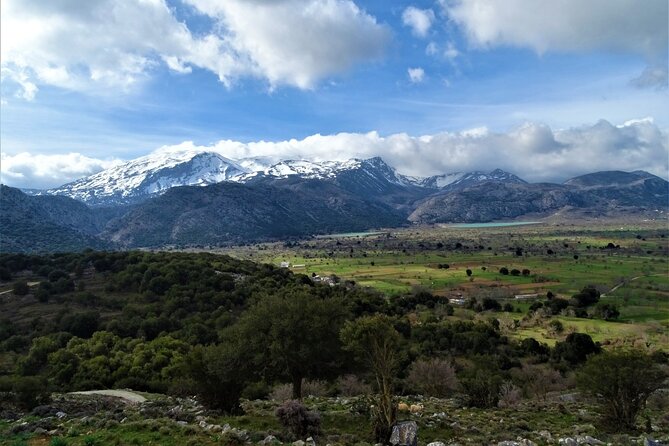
[624,380]
[374,341]
[607,311]
[294,335]
[576,348]
[432,377]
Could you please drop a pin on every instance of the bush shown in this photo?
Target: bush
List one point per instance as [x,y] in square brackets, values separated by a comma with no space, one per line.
[504,271]
[351,385]
[300,422]
[623,380]
[21,288]
[607,312]
[509,395]
[575,348]
[256,391]
[57,441]
[314,388]
[28,391]
[432,377]
[481,387]
[281,392]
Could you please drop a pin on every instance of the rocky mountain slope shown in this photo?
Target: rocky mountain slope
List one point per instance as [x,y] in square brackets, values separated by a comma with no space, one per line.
[260,199]
[236,213]
[46,223]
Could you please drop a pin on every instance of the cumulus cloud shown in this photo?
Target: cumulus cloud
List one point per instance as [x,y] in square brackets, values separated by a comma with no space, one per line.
[30,171]
[419,20]
[569,25]
[102,44]
[416,75]
[533,151]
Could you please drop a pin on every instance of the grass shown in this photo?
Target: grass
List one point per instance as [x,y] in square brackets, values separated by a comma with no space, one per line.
[561,259]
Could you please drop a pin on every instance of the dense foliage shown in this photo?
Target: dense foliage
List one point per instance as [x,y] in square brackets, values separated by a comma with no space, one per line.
[221,328]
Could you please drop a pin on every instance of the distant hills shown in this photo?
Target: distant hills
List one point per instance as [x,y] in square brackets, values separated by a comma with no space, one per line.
[194,198]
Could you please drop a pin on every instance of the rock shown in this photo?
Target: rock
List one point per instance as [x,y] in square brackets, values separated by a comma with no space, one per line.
[269,440]
[298,443]
[546,435]
[182,423]
[311,441]
[44,411]
[60,415]
[587,439]
[405,434]
[567,441]
[520,442]
[436,443]
[39,431]
[650,442]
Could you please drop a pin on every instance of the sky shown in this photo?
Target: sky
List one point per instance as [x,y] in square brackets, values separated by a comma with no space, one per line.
[547,89]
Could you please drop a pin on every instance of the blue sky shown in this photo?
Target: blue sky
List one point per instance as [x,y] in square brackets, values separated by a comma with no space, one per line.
[97,85]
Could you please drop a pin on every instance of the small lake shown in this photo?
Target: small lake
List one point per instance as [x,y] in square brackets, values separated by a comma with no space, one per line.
[492,224]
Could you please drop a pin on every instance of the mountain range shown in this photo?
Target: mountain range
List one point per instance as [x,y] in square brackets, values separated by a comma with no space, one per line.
[202,198]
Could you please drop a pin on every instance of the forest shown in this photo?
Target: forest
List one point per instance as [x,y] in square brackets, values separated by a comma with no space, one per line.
[230,330]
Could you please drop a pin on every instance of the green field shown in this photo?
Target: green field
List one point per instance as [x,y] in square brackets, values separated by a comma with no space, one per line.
[629,265]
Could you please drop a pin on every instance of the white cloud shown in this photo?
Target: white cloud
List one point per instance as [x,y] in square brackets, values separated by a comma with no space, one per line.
[416,75]
[568,25]
[533,151]
[419,20]
[30,171]
[103,44]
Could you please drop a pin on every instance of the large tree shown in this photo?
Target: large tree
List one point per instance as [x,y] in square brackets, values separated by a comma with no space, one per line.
[294,335]
[623,380]
[376,343]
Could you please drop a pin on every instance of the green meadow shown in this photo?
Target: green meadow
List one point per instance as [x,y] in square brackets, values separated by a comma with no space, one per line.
[629,265]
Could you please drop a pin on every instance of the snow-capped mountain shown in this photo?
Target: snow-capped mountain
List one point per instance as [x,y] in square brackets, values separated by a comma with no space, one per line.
[154,174]
[458,180]
[150,175]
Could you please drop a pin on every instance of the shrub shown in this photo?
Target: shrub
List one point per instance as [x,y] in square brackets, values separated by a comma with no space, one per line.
[575,348]
[298,420]
[607,311]
[315,388]
[504,271]
[555,327]
[57,441]
[509,395]
[432,377]
[623,380]
[480,387]
[281,392]
[256,391]
[515,272]
[21,288]
[351,385]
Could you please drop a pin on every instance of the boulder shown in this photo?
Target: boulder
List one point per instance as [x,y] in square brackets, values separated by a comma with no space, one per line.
[405,433]
[436,443]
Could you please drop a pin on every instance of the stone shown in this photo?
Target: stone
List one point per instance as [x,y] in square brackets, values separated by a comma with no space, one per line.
[567,441]
[182,423]
[436,443]
[298,443]
[650,442]
[269,440]
[311,441]
[405,434]
[39,431]
[587,439]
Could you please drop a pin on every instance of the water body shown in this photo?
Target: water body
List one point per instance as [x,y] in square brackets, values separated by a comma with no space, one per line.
[493,224]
